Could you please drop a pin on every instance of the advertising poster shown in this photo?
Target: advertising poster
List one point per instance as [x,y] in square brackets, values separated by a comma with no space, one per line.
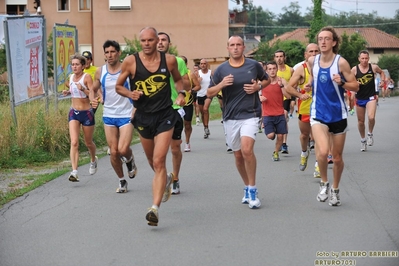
[26,50]
[65,43]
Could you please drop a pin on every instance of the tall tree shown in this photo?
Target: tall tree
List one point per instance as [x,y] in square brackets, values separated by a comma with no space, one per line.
[351,46]
[292,16]
[317,23]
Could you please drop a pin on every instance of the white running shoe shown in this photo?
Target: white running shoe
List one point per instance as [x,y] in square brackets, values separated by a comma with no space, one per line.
[363,146]
[93,166]
[370,140]
[323,192]
[334,198]
[245,199]
[168,189]
[122,187]
[254,202]
[197,121]
[187,147]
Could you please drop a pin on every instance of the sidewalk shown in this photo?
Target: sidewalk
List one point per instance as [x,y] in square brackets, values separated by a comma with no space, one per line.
[87,223]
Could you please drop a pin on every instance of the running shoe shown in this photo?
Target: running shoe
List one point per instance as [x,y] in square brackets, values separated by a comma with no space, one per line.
[197,121]
[245,199]
[370,140]
[168,189]
[316,173]
[122,186]
[73,177]
[330,159]
[363,146]
[275,157]
[131,168]
[304,161]
[206,130]
[334,198]
[323,192]
[93,166]
[187,147]
[229,150]
[284,148]
[152,217]
[175,187]
[108,151]
[352,112]
[254,202]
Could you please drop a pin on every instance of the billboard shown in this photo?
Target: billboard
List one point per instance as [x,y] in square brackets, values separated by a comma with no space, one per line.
[64,46]
[26,57]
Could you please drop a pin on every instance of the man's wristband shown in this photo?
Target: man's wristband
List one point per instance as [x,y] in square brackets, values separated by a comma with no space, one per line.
[183,92]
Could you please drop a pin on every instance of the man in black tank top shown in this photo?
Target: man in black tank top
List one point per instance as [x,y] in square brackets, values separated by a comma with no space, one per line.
[149,72]
[366,98]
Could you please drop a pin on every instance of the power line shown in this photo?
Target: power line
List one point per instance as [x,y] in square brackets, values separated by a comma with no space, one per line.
[337,26]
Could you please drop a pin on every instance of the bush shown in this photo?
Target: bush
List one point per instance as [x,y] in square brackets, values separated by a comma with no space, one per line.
[39,136]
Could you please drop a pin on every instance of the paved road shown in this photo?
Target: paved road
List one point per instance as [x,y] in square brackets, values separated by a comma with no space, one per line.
[87,223]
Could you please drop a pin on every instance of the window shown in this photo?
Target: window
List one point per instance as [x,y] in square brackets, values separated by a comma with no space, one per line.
[15,9]
[63,5]
[85,5]
[378,51]
[120,4]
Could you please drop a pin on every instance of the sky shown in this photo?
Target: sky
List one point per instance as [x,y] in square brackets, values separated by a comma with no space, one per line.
[384,8]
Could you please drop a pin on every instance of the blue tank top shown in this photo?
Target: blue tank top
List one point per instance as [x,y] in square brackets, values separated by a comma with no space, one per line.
[328,105]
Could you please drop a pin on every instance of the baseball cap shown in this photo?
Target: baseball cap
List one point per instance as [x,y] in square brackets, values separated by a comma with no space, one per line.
[87,54]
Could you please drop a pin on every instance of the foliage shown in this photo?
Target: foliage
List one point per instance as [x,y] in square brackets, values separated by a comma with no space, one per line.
[50,52]
[39,136]
[266,23]
[351,46]
[3,59]
[390,62]
[317,21]
[294,51]
[134,46]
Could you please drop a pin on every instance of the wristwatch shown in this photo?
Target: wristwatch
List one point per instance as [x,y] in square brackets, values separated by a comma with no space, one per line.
[342,82]
[183,92]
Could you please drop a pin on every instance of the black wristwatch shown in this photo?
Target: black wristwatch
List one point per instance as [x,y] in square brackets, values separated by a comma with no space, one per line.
[342,82]
[183,92]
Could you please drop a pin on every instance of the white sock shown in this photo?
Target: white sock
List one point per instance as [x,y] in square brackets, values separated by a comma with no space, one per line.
[251,187]
[155,207]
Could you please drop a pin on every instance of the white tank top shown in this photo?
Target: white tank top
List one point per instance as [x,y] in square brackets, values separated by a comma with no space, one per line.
[73,88]
[115,105]
[206,79]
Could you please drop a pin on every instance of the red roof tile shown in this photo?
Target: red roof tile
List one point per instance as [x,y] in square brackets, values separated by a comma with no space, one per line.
[375,38]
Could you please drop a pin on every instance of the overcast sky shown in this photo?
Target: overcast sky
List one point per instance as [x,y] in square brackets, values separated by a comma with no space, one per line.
[384,8]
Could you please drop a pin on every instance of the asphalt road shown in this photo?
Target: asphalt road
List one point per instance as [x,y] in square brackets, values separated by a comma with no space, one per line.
[87,223]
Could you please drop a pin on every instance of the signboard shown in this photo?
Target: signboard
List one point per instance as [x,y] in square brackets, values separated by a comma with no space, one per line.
[25,58]
[64,46]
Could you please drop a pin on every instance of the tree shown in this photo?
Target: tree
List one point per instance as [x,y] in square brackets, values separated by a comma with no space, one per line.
[390,62]
[351,46]
[317,22]
[294,51]
[292,16]
[133,46]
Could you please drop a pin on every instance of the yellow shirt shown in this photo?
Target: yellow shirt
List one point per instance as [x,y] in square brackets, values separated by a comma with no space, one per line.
[91,71]
[286,74]
[304,106]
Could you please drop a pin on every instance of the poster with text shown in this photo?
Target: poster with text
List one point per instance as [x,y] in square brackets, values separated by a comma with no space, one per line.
[25,37]
[65,43]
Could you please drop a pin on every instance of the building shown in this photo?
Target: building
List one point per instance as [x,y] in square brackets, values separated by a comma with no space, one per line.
[378,42]
[197,29]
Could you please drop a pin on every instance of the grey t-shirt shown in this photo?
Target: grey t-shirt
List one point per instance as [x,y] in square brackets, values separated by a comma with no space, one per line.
[237,104]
